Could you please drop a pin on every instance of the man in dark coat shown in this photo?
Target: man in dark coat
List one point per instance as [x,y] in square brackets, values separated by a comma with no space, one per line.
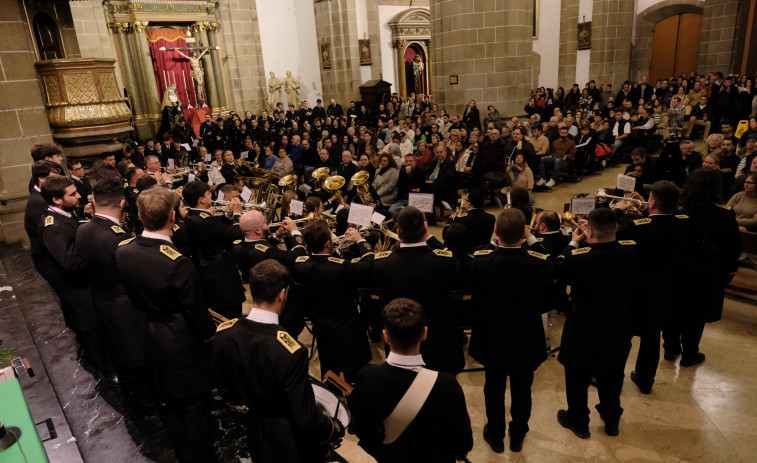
[442,176]
[35,207]
[471,116]
[163,284]
[477,222]
[508,336]
[83,187]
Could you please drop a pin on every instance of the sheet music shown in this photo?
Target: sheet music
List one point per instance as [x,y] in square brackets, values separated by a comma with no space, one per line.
[296,207]
[626,183]
[208,157]
[244,154]
[377,218]
[246,194]
[186,146]
[220,195]
[171,163]
[360,215]
[191,177]
[582,206]
[423,201]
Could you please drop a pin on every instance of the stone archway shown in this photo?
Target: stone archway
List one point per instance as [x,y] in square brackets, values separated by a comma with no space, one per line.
[411,29]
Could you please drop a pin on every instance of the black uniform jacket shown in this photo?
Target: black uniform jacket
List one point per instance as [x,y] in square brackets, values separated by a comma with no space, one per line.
[440,432]
[211,238]
[269,369]
[57,235]
[164,285]
[426,276]
[554,243]
[597,332]
[35,207]
[124,326]
[480,226]
[507,328]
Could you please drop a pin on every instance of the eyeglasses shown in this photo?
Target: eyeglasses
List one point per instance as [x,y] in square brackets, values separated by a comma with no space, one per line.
[748,183]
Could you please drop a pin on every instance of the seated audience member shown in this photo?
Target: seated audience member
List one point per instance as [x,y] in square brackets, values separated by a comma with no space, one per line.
[562,151]
[109,167]
[712,146]
[521,175]
[441,177]
[744,204]
[439,427]
[385,182]
[283,165]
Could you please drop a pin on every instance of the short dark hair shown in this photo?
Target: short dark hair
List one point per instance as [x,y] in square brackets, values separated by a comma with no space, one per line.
[146,182]
[267,279]
[316,234]
[312,203]
[155,206]
[106,155]
[108,192]
[666,196]
[45,150]
[193,191]
[702,187]
[550,219]
[130,173]
[477,198]
[602,221]
[411,225]
[55,187]
[71,162]
[510,226]
[404,321]
[43,169]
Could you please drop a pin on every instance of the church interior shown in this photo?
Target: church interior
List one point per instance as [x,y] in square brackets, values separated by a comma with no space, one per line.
[111,83]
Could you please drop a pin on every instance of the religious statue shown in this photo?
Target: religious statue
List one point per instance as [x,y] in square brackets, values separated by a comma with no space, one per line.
[418,73]
[274,89]
[292,89]
[171,110]
[197,73]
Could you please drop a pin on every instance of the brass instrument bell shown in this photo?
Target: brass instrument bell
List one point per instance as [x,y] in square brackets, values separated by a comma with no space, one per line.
[334,184]
[360,181]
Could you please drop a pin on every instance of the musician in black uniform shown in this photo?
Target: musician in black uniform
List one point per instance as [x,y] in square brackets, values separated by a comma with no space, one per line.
[269,369]
[57,236]
[711,263]
[548,233]
[123,326]
[330,284]
[425,275]
[596,338]
[184,132]
[663,240]
[508,336]
[478,222]
[163,284]
[255,249]
[83,187]
[230,169]
[35,207]
[211,238]
[441,430]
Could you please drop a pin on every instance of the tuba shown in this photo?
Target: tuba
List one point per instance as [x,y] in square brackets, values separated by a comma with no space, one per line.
[333,185]
[461,212]
[360,180]
[320,173]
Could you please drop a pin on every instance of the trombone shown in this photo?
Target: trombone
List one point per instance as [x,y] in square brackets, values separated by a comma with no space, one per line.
[276,226]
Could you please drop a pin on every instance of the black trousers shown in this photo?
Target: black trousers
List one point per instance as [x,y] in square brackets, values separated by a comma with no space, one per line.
[682,333]
[610,384]
[648,357]
[494,398]
[189,421]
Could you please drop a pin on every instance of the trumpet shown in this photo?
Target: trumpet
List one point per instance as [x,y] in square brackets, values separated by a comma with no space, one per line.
[569,219]
[276,226]
[223,206]
[460,211]
[603,196]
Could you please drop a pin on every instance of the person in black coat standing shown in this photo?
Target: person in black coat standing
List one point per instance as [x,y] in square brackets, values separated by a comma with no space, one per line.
[163,284]
[471,116]
[596,338]
[35,207]
[478,223]
[711,263]
[441,429]
[83,186]
[508,336]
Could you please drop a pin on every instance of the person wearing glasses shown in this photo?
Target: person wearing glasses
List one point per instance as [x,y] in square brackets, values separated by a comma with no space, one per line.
[81,182]
[744,204]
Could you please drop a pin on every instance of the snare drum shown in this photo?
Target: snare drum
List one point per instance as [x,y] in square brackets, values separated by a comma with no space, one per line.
[329,403]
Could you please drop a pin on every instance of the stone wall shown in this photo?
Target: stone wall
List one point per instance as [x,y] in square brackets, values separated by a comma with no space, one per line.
[336,22]
[242,56]
[566,71]
[22,117]
[490,50]
[718,34]
[92,30]
[611,41]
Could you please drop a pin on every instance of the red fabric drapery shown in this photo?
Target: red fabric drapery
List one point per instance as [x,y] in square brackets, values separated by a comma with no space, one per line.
[169,66]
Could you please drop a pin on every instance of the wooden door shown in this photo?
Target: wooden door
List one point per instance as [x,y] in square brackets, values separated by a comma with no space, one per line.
[675,46]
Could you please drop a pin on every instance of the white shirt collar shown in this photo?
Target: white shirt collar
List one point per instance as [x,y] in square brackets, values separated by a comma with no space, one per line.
[156,236]
[263,316]
[59,211]
[112,219]
[75,177]
[408,362]
[38,189]
[413,245]
[549,233]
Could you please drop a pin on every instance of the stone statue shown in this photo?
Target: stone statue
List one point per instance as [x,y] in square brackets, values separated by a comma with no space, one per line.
[292,89]
[418,74]
[274,89]
[197,73]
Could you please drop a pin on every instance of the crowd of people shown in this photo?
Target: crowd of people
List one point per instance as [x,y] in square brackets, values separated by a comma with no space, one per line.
[138,259]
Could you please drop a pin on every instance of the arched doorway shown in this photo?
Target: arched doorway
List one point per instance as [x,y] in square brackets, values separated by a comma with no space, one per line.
[47,35]
[416,64]
[675,46]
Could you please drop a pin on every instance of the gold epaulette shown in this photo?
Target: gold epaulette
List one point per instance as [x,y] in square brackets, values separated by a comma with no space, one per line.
[204,215]
[627,242]
[169,252]
[336,260]
[578,251]
[727,208]
[539,239]
[237,241]
[642,221]
[443,252]
[357,259]
[288,341]
[682,216]
[49,220]
[483,252]
[383,254]
[261,247]
[538,255]
[302,259]
[117,229]
[126,241]
[226,325]
[175,227]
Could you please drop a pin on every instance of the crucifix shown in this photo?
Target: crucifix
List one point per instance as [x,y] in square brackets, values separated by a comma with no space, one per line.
[194,61]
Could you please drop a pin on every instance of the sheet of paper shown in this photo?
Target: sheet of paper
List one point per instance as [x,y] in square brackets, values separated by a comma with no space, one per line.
[626,183]
[339,208]
[296,206]
[195,142]
[246,194]
[208,157]
[377,218]
[423,201]
[360,215]
[186,146]
[191,177]
[171,163]
[582,206]
[220,195]
[244,154]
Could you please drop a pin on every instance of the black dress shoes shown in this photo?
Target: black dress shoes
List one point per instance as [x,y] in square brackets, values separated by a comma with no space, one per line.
[516,443]
[497,445]
[691,361]
[642,387]
[564,419]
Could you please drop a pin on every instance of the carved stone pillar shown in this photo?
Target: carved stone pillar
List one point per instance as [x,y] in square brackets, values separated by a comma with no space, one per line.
[220,86]
[200,31]
[121,30]
[400,45]
[149,85]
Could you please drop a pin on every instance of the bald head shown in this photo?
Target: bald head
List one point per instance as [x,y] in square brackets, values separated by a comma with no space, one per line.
[252,224]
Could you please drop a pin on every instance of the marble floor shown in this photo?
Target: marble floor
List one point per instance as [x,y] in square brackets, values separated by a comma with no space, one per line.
[706,413]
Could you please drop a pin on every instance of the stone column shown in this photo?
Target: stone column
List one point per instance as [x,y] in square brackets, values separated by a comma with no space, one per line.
[149,85]
[135,96]
[218,70]
[611,42]
[400,46]
[212,94]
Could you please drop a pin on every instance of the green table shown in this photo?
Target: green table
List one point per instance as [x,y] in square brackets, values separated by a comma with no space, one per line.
[14,412]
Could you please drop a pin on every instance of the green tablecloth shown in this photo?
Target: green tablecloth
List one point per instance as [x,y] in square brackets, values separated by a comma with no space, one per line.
[14,412]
